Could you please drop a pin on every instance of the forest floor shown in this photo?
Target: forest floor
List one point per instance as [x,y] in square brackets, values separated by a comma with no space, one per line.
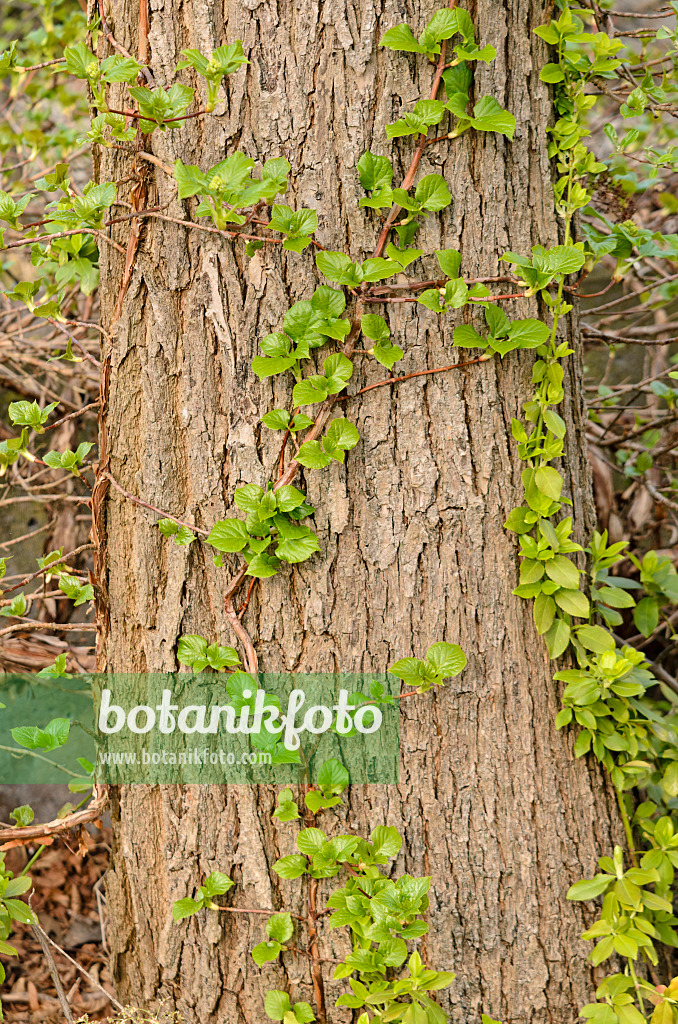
[69,900]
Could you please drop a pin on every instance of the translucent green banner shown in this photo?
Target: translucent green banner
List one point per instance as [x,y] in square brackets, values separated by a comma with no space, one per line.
[202,728]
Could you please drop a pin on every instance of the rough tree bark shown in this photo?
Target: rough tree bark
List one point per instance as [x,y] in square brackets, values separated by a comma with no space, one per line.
[492,803]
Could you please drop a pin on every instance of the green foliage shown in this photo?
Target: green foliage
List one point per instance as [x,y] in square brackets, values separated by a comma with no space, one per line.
[224,61]
[229,187]
[442,661]
[195,652]
[216,884]
[181,535]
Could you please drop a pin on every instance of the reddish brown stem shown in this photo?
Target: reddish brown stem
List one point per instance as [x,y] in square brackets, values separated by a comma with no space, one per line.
[154,508]
[247,910]
[48,568]
[418,373]
[316,969]
[418,153]
[71,416]
[167,120]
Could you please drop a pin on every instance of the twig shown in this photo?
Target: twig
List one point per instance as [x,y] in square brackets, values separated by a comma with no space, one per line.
[247,910]
[47,952]
[31,627]
[419,373]
[47,568]
[207,227]
[658,496]
[72,416]
[167,120]
[60,327]
[154,508]
[121,49]
[25,536]
[91,979]
[412,170]
[65,234]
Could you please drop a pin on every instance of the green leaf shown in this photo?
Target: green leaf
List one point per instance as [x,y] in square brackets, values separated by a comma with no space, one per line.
[488,116]
[595,638]
[450,261]
[248,498]
[341,436]
[329,302]
[23,815]
[400,38]
[443,25]
[549,481]
[277,1003]
[378,268]
[466,336]
[557,638]
[448,660]
[573,602]
[374,327]
[264,367]
[312,456]
[374,171]
[387,354]
[646,615]
[297,549]
[264,952]
[615,597]
[528,333]
[54,735]
[280,927]
[333,777]
[181,535]
[217,882]
[276,419]
[564,259]
[291,867]
[228,535]
[552,73]
[543,610]
[184,908]
[432,193]
[310,391]
[589,888]
[563,572]
[303,1013]
[336,266]
[191,649]
[338,371]
[386,841]
[288,498]
[310,840]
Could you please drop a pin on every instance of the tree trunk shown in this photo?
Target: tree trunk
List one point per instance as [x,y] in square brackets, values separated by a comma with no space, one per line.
[492,802]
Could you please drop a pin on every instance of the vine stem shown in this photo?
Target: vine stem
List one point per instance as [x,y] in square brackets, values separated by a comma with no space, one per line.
[48,568]
[249,910]
[418,153]
[316,969]
[627,827]
[486,356]
[65,234]
[71,337]
[286,477]
[154,508]
[72,416]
